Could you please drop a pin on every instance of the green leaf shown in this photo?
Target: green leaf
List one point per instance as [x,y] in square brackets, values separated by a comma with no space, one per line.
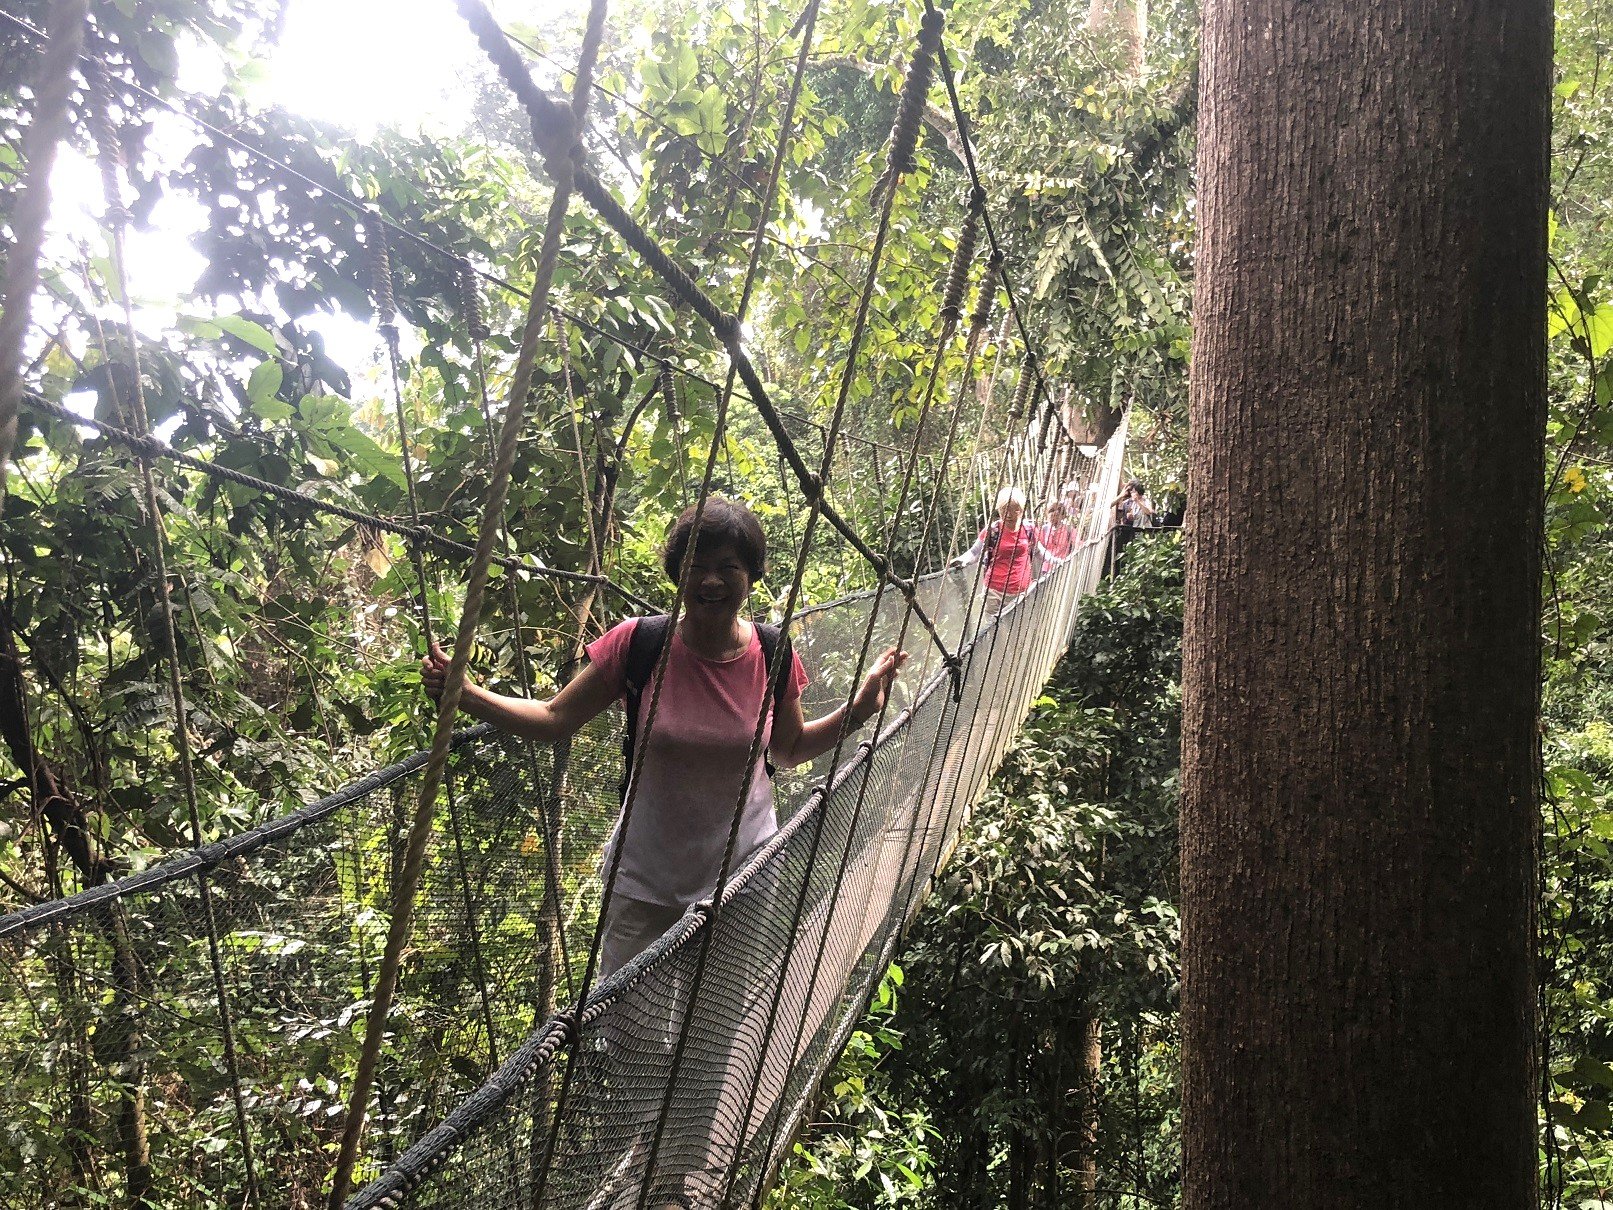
[264,385]
[272,411]
[254,334]
[1598,330]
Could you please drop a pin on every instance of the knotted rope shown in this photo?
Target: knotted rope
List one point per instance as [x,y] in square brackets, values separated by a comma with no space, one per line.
[562,148]
[109,155]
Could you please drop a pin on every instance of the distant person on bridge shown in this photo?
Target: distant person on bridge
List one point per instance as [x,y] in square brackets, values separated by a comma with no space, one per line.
[1056,534]
[1133,507]
[1070,497]
[1011,551]
[694,760]
[1133,510]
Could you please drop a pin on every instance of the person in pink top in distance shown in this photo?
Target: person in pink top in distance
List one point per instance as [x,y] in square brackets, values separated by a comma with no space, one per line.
[693,764]
[1056,534]
[1011,550]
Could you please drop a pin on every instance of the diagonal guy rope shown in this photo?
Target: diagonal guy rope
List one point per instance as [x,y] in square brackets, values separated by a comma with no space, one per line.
[899,160]
[544,112]
[560,145]
[109,152]
[718,440]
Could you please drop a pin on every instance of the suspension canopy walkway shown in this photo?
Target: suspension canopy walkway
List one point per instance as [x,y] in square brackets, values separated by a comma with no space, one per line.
[416,954]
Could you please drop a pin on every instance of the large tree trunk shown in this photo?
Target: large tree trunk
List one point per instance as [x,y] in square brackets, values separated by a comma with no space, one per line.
[1075,1153]
[1360,659]
[1128,20]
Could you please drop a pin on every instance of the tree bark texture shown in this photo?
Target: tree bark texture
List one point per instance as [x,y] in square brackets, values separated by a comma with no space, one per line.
[1361,660]
[1089,1073]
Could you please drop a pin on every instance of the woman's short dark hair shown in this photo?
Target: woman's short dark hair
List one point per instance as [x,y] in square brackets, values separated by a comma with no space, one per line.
[721,521]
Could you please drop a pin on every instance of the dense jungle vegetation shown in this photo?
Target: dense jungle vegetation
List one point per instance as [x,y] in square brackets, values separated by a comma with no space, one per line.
[1021,1051]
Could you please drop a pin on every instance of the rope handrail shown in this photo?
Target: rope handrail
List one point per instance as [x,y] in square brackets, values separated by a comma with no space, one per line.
[913,830]
[420,1161]
[214,854]
[242,844]
[420,534]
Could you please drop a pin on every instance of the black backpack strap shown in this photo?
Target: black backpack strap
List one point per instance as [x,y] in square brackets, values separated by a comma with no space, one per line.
[773,645]
[773,642]
[643,650]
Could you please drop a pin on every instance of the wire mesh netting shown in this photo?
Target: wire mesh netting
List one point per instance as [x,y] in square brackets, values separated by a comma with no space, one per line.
[117,985]
[682,1079]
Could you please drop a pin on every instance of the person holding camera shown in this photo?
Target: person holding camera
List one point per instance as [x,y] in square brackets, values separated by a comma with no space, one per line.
[1133,507]
[1056,534]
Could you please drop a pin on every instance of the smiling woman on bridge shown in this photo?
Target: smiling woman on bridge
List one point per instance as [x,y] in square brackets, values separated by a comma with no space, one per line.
[693,766]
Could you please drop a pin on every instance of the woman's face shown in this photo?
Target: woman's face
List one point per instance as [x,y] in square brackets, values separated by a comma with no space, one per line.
[719,583]
[1010,512]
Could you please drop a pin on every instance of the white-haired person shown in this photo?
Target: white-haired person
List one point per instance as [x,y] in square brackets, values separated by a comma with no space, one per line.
[1011,550]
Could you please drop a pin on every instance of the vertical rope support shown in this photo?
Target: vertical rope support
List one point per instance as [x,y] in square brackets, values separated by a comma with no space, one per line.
[980,320]
[733,326]
[725,326]
[669,395]
[542,113]
[596,551]
[1022,389]
[386,314]
[386,321]
[561,149]
[1018,438]
[977,742]
[476,325]
[962,259]
[110,158]
[904,138]
[32,210]
[957,281]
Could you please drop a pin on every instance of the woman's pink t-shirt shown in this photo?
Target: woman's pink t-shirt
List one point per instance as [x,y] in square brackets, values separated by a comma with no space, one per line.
[1009,564]
[1057,538]
[694,761]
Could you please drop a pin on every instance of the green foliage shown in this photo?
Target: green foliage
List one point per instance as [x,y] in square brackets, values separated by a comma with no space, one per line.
[1058,909]
[1094,163]
[299,632]
[863,1152]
